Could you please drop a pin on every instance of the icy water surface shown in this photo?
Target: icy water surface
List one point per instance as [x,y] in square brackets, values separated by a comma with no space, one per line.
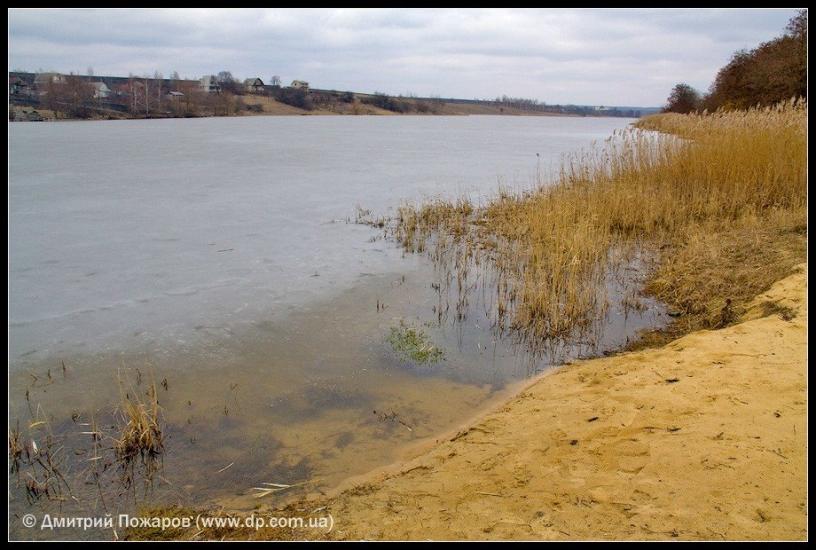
[131,233]
[218,258]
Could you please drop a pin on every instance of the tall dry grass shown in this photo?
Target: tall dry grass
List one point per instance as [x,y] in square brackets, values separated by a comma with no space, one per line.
[718,200]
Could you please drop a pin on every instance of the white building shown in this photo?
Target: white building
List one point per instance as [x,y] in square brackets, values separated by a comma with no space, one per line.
[210,85]
[101,90]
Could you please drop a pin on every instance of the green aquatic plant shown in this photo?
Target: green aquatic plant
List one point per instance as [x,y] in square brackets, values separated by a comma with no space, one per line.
[413,344]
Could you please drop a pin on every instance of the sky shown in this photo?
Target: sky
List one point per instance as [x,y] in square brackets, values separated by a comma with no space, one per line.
[621,57]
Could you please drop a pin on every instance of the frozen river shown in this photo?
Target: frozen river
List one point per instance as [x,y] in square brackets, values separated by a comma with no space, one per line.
[134,233]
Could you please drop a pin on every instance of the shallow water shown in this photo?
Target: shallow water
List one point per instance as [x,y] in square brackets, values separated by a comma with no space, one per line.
[216,254]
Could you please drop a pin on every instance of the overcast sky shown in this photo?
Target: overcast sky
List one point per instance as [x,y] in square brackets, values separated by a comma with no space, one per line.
[594,57]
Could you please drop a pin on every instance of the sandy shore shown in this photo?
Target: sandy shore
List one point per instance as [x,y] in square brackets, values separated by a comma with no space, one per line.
[702,439]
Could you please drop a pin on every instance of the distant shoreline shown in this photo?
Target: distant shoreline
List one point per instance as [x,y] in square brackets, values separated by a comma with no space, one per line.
[88,97]
[26,113]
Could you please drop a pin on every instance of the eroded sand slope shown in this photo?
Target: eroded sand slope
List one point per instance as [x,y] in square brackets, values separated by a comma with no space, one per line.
[704,438]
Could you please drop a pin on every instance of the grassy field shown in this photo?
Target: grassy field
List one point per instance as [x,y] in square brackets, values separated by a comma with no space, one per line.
[718,201]
[270,106]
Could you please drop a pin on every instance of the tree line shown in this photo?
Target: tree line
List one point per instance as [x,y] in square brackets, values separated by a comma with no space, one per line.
[772,72]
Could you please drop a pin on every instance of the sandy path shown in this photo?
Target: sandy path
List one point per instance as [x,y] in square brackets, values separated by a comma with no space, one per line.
[702,439]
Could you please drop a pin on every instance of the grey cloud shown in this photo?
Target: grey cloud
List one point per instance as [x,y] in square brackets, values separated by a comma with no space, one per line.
[559,56]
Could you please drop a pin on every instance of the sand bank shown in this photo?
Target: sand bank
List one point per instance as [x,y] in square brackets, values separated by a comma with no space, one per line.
[704,438]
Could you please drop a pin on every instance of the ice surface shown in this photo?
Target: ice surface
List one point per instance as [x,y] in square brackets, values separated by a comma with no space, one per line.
[137,232]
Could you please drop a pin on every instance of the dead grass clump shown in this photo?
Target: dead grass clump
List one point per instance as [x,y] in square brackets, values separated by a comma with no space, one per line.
[784,312]
[416,224]
[141,440]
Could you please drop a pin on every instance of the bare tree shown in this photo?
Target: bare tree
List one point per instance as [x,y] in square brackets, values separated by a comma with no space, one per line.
[73,97]
[139,95]
[147,96]
[228,83]
[158,78]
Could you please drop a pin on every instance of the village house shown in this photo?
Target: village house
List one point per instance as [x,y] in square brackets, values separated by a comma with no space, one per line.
[210,85]
[300,85]
[101,90]
[174,96]
[254,85]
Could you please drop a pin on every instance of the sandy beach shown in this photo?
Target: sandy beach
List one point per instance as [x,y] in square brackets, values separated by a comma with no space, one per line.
[704,438]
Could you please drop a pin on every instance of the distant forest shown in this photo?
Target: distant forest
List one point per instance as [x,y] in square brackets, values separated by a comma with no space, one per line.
[772,72]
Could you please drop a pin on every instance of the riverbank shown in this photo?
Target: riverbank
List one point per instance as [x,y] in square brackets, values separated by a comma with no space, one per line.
[704,438]
[258,105]
[267,106]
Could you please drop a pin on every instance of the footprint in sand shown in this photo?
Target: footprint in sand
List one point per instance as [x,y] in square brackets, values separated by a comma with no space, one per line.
[627,455]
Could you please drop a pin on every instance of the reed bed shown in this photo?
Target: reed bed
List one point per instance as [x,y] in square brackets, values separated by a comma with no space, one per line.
[718,200]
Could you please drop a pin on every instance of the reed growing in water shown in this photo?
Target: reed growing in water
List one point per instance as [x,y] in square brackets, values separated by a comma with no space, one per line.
[718,200]
[141,440]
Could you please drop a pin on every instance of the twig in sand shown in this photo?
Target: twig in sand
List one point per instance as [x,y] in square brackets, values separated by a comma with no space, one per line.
[275,488]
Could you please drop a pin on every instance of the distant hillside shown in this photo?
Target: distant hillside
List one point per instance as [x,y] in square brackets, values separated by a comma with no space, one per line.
[91,96]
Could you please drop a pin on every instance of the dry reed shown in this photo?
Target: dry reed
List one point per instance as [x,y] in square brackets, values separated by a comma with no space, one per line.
[718,199]
[141,440]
